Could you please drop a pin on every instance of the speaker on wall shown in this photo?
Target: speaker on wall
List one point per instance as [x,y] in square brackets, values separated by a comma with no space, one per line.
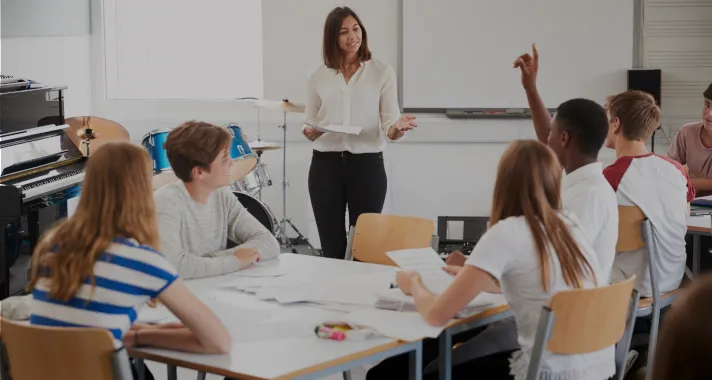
[647,80]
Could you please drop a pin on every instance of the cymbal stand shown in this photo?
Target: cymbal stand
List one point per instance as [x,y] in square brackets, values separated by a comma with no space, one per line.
[283,223]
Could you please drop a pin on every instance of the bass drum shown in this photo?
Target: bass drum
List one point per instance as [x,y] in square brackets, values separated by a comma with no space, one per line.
[259,210]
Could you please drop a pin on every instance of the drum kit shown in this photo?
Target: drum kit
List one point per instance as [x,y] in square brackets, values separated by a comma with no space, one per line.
[249,174]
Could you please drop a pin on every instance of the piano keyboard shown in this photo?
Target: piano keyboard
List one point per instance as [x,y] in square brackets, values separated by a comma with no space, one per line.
[47,185]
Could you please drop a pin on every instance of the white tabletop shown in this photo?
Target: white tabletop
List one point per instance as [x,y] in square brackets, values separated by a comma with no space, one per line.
[271,340]
[700,221]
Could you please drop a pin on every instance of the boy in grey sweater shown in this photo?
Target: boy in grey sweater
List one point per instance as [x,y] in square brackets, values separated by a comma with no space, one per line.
[199,213]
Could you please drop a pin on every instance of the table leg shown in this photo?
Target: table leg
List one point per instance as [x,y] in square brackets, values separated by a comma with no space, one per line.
[445,355]
[171,372]
[201,375]
[696,242]
[416,362]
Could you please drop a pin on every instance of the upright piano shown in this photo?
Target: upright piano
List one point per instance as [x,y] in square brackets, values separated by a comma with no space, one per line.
[40,169]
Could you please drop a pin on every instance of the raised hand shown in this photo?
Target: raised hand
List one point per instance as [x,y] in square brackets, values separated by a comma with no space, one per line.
[529,66]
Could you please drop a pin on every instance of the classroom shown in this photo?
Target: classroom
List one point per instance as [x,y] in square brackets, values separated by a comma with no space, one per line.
[360,189]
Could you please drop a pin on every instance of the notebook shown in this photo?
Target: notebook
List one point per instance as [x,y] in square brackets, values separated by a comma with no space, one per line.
[394,299]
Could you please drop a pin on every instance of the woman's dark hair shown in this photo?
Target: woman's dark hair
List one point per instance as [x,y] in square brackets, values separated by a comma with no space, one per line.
[333,56]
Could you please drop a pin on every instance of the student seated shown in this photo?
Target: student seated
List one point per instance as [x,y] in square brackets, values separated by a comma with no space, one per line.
[533,249]
[685,336]
[198,214]
[97,268]
[693,147]
[659,186]
[576,134]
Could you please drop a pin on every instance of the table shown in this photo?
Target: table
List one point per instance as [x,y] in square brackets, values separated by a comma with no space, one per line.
[698,226]
[301,357]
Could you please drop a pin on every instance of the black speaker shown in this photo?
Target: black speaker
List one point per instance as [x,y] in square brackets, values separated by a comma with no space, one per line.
[646,80]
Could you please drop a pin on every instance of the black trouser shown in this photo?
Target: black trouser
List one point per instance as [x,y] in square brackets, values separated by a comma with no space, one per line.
[337,179]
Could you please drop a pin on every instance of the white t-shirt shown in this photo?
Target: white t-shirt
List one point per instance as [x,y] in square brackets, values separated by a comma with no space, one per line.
[660,187]
[587,194]
[369,100]
[507,252]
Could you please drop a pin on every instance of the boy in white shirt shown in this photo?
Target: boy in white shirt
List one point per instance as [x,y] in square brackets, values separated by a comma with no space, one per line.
[658,185]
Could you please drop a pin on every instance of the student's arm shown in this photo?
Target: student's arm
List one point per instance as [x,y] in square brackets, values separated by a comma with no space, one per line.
[188,264]
[247,231]
[703,186]
[437,310]
[529,67]
[203,331]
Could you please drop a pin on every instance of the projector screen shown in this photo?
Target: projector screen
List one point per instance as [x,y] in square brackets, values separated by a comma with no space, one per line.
[196,50]
[459,53]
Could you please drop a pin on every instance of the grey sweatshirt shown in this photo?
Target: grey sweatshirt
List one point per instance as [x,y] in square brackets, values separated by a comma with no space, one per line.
[194,236]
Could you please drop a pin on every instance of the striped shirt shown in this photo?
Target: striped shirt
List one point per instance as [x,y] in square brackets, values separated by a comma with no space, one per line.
[127,275]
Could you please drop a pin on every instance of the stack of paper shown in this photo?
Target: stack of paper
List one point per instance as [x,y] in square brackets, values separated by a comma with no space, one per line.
[345,129]
[394,299]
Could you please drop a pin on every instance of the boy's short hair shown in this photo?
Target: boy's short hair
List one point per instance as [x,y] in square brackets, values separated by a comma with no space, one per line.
[195,143]
[586,122]
[638,113]
[708,92]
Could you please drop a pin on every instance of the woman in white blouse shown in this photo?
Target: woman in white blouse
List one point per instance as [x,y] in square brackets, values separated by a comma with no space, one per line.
[352,89]
[532,251]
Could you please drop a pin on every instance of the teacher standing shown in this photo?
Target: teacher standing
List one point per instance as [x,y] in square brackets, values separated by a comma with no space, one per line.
[351,88]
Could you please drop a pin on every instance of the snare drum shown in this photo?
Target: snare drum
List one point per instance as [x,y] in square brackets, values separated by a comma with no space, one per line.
[153,142]
[255,180]
[244,160]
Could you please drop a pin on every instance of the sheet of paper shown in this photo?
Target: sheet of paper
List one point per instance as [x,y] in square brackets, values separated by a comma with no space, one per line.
[408,326]
[346,129]
[427,263]
[350,290]
[269,268]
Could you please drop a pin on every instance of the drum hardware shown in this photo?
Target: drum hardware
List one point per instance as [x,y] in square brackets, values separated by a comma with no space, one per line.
[286,107]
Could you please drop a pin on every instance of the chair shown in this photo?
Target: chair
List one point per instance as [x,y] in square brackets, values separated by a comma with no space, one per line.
[376,234]
[636,232]
[581,321]
[61,353]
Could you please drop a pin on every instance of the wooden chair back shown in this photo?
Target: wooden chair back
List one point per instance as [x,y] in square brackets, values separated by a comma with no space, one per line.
[376,234]
[630,232]
[588,320]
[58,353]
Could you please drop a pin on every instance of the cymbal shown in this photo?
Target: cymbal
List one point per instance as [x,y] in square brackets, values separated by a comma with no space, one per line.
[260,145]
[280,105]
[96,129]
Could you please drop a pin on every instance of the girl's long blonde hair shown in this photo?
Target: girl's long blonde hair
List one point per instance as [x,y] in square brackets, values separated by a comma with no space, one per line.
[529,184]
[116,201]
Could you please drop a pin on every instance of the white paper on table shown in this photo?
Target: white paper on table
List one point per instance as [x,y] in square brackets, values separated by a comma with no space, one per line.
[427,263]
[269,268]
[351,290]
[408,326]
[394,299]
[345,129]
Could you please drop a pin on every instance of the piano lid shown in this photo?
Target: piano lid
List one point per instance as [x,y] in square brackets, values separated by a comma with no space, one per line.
[35,149]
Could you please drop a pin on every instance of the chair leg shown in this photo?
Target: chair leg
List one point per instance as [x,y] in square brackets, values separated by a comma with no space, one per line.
[653,341]
[171,372]
[201,375]
[347,375]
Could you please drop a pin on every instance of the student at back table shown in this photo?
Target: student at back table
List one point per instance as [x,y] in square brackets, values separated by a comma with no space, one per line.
[97,268]
[659,186]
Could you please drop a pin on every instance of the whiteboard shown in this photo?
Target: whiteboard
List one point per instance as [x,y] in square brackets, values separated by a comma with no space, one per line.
[459,53]
[183,49]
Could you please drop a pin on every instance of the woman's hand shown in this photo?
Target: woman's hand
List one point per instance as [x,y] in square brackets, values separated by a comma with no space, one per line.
[405,281]
[452,269]
[312,133]
[405,123]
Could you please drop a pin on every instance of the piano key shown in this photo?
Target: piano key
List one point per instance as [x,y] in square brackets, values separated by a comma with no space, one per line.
[53,184]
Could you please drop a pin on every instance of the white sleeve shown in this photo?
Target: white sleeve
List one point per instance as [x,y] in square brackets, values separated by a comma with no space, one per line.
[245,230]
[495,252]
[313,102]
[389,108]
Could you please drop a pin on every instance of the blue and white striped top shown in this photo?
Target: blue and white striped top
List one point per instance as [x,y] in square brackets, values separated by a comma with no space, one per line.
[127,275]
